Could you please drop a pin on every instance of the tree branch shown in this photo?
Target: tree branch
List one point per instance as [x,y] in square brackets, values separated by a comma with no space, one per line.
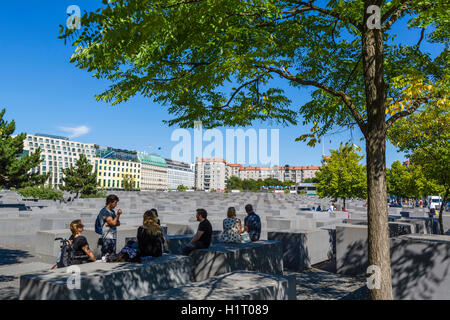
[239,89]
[344,97]
[394,13]
[404,113]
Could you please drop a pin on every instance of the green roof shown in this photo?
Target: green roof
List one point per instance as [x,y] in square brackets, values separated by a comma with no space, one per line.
[152,159]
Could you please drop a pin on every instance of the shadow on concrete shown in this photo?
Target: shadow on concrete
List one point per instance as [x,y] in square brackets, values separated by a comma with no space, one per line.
[12,256]
[420,270]
[221,258]
[109,281]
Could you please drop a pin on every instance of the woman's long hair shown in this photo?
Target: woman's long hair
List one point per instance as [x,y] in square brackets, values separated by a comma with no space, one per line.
[151,223]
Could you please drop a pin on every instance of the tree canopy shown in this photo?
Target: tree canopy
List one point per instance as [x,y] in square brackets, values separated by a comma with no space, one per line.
[342,176]
[15,164]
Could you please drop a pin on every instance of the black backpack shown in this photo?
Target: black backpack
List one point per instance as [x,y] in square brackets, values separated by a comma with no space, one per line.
[66,257]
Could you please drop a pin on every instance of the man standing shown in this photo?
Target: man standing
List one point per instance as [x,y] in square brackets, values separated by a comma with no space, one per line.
[109,221]
[252,223]
[202,238]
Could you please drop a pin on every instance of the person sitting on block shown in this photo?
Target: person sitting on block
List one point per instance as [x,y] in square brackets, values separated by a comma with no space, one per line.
[202,238]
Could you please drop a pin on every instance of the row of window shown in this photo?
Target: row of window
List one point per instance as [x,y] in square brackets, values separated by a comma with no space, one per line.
[112,162]
[113,184]
[118,169]
[64,143]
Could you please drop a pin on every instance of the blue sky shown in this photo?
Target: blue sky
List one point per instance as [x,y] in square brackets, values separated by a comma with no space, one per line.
[44,93]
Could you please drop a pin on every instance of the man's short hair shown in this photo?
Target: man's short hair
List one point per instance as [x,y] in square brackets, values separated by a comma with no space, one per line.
[111,198]
[202,212]
[249,208]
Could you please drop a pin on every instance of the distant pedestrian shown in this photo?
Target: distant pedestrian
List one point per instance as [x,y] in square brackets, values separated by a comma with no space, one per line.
[202,238]
[319,208]
[252,223]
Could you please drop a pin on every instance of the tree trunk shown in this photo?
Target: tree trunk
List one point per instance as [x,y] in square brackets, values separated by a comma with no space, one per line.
[343,206]
[441,211]
[375,134]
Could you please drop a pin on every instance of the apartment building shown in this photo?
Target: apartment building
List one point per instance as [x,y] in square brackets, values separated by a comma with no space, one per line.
[210,173]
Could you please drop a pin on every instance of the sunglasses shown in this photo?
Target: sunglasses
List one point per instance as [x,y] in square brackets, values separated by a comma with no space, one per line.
[81,226]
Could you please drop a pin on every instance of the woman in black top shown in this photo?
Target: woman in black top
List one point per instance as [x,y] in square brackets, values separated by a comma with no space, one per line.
[79,243]
[149,236]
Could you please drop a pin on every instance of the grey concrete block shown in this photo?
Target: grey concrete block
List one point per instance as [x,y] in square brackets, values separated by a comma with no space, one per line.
[351,249]
[46,244]
[420,267]
[221,258]
[302,249]
[352,246]
[109,281]
[238,285]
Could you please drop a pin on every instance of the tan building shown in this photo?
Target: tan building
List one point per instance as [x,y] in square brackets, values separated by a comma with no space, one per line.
[210,173]
[153,172]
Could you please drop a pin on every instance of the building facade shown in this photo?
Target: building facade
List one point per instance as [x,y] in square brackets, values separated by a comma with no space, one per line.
[179,173]
[153,172]
[210,174]
[57,153]
[111,173]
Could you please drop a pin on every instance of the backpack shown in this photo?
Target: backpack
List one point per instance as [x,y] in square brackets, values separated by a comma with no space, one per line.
[65,258]
[98,225]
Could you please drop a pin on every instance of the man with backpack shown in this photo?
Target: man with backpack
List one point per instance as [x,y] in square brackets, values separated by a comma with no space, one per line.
[106,224]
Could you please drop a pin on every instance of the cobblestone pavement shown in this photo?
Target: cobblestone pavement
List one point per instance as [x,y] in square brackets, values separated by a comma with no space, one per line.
[321,284]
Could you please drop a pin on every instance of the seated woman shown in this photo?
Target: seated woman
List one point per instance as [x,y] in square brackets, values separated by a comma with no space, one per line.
[149,236]
[80,246]
[166,246]
[232,228]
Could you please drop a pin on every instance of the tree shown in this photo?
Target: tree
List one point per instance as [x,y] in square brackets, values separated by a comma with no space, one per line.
[184,53]
[128,182]
[425,136]
[342,176]
[182,188]
[311,180]
[16,165]
[234,183]
[80,178]
[399,180]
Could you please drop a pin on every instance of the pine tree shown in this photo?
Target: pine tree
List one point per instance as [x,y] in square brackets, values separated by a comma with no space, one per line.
[81,178]
[15,164]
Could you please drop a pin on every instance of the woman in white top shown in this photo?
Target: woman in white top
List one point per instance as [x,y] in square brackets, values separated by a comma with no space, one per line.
[232,228]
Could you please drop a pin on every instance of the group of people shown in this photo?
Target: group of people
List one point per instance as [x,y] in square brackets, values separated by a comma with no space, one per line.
[150,239]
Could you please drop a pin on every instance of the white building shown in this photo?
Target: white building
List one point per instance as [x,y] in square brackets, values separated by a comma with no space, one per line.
[153,172]
[210,174]
[179,173]
[57,153]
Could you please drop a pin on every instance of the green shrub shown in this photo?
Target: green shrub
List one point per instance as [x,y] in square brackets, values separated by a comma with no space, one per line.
[40,192]
[98,194]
